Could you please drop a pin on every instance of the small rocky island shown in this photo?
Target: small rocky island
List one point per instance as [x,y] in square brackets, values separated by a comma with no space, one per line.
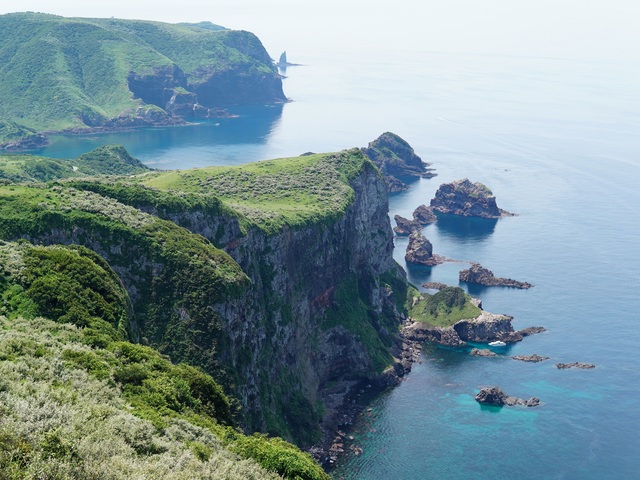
[584,366]
[396,158]
[496,397]
[467,199]
[420,251]
[483,276]
[535,358]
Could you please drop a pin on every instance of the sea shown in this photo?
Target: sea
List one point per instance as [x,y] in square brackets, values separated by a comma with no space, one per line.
[558,142]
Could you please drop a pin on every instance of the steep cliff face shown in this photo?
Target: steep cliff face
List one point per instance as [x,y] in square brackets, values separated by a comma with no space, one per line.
[320,314]
[317,312]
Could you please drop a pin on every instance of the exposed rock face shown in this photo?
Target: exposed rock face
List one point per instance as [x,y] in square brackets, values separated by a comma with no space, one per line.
[482,352]
[467,199]
[535,358]
[581,365]
[395,158]
[420,251]
[487,327]
[483,276]
[404,226]
[422,332]
[496,397]
[424,215]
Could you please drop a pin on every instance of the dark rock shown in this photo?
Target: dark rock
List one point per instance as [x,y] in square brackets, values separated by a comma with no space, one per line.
[467,199]
[585,366]
[420,251]
[404,226]
[29,142]
[525,332]
[482,352]
[422,332]
[424,215]
[483,276]
[496,397]
[535,358]
[395,158]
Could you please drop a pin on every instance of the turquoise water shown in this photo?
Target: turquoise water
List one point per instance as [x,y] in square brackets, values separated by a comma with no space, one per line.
[557,142]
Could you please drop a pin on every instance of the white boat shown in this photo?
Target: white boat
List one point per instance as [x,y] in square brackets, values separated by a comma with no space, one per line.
[497,343]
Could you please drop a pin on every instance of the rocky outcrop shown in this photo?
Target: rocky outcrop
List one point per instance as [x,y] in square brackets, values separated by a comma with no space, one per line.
[535,358]
[404,226]
[482,352]
[420,251]
[487,327]
[584,366]
[423,332]
[396,159]
[424,215]
[483,276]
[525,332]
[467,199]
[496,397]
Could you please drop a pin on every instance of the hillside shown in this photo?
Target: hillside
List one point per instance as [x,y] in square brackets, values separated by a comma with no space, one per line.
[105,160]
[61,74]
[72,384]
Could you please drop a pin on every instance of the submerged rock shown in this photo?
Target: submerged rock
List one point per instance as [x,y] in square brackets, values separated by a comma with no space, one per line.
[496,397]
[420,251]
[404,226]
[535,358]
[483,276]
[424,215]
[467,199]
[525,332]
[584,366]
[482,352]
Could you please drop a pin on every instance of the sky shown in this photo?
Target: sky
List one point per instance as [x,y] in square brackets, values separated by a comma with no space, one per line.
[577,29]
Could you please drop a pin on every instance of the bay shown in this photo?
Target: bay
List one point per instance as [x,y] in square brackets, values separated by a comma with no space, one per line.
[557,142]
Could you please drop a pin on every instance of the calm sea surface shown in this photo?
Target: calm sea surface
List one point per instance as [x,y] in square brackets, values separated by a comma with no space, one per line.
[558,142]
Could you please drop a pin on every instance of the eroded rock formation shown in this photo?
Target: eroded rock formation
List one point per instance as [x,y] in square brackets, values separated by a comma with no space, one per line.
[467,199]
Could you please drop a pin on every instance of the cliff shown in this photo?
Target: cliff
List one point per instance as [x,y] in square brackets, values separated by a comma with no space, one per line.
[81,74]
[300,302]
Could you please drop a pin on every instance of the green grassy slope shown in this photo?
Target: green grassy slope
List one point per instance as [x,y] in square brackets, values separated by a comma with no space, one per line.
[105,160]
[269,194]
[442,309]
[59,73]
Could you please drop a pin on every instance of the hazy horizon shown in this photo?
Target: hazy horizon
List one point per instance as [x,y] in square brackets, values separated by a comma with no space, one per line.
[586,30]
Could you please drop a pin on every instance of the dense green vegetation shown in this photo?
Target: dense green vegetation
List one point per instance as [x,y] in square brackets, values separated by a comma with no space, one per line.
[59,73]
[105,160]
[445,308]
[297,191]
[86,388]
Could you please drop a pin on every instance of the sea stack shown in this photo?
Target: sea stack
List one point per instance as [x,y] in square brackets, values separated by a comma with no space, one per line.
[467,199]
[396,159]
[420,250]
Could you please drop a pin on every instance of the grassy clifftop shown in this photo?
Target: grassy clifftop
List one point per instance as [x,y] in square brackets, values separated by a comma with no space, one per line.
[61,73]
[268,194]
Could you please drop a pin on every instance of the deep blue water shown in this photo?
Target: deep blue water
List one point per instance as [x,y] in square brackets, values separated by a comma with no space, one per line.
[558,143]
